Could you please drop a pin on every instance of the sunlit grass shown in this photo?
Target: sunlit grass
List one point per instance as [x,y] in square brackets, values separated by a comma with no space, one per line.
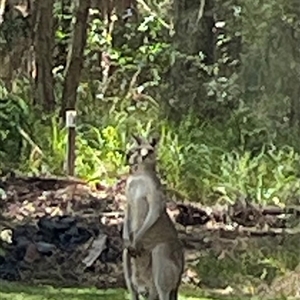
[17,291]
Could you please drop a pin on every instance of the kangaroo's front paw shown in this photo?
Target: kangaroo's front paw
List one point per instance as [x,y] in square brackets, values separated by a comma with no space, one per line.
[126,243]
[134,252]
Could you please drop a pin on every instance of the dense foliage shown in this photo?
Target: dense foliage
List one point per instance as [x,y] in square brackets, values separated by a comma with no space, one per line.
[226,106]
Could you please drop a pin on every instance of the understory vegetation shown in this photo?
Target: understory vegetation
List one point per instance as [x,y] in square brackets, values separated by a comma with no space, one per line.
[230,126]
[197,160]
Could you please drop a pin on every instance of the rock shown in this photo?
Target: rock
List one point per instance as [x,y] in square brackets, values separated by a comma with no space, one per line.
[6,235]
[45,248]
[113,251]
[2,260]
[23,233]
[73,237]
[56,223]
[9,270]
[3,195]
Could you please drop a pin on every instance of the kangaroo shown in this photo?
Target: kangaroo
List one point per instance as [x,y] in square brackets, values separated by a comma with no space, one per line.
[153,258]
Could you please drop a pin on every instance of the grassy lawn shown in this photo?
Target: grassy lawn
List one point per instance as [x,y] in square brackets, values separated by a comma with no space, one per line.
[14,291]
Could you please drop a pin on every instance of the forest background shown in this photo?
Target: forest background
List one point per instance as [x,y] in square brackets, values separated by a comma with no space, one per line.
[218,80]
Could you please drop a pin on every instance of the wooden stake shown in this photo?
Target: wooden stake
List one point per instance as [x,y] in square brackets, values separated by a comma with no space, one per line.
[70,155]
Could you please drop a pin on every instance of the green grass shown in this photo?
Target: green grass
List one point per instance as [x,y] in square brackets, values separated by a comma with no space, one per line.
[16,291]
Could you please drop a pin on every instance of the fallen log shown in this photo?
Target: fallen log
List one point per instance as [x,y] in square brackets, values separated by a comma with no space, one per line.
[228,232]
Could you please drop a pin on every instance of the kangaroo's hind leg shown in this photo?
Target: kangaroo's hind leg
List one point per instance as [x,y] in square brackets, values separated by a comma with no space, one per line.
[153,295]
[127,268]
[167,266]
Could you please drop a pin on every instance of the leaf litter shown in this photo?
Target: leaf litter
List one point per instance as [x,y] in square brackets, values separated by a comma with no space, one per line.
[64,231]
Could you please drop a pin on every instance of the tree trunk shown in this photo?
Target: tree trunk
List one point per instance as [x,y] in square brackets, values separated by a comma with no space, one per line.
[194,23]
[44,42]
[75,56]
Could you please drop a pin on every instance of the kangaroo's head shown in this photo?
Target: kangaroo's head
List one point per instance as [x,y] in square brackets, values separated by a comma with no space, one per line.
[142,156]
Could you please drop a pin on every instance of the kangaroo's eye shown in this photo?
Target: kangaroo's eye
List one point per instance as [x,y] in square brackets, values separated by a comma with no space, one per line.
[150,151]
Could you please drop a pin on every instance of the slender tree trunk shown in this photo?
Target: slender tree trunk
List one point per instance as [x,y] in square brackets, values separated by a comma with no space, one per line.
[44,42]
[75,56]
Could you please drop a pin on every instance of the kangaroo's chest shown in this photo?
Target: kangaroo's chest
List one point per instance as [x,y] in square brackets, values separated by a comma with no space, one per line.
[139,213]
[137,192]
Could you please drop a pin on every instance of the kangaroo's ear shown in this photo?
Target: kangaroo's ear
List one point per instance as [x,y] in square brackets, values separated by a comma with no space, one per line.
[153,141]
[137,139]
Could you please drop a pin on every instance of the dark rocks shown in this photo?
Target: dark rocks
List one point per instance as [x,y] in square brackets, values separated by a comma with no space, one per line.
[54,228]
[9,269]
[63,232]
[65,240]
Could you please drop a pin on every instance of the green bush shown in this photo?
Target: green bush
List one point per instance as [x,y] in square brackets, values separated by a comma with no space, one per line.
[193,163]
